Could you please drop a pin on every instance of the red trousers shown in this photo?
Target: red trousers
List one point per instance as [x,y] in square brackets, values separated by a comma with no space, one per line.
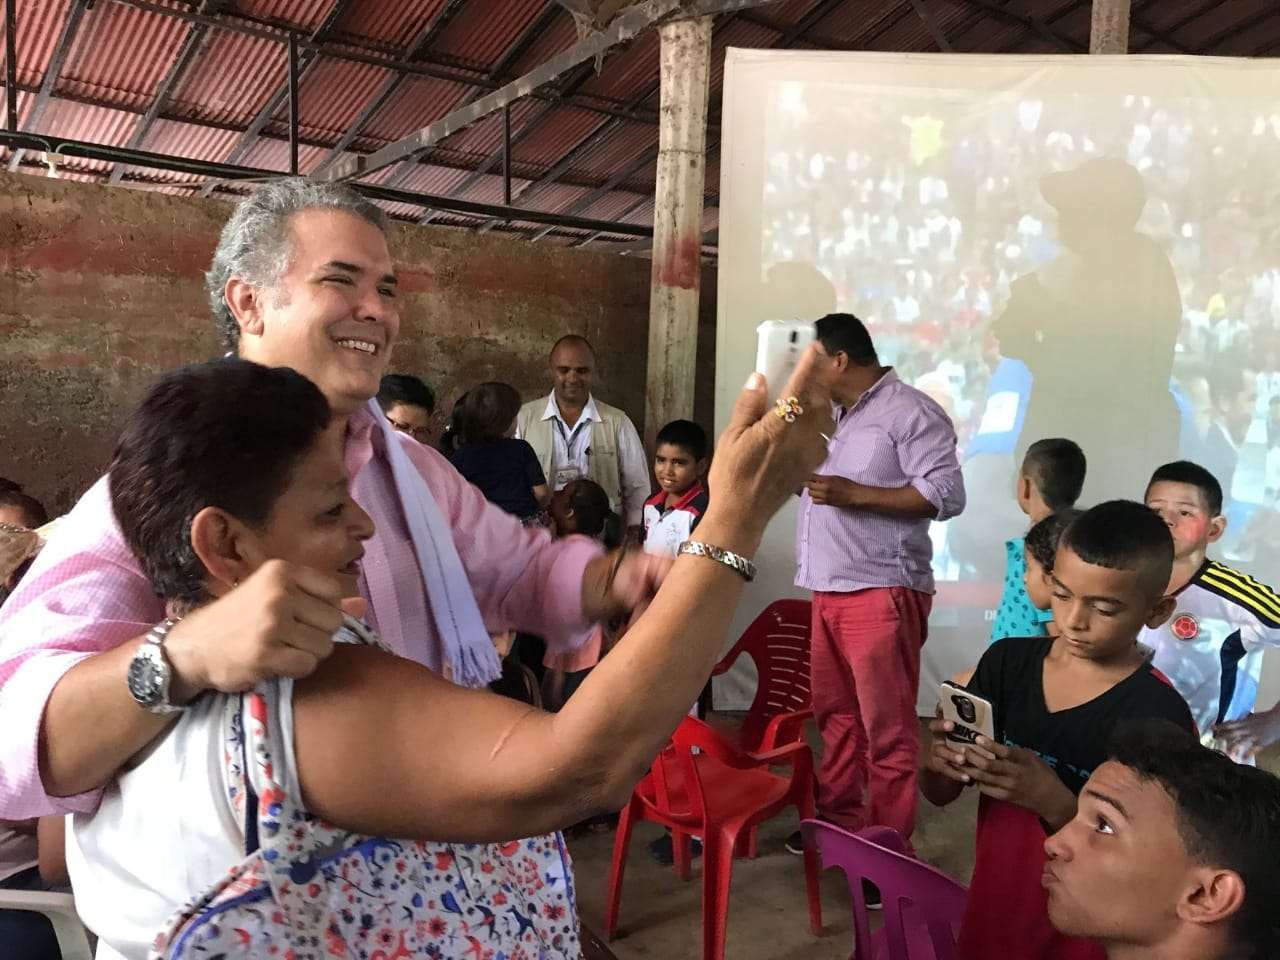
[864,671]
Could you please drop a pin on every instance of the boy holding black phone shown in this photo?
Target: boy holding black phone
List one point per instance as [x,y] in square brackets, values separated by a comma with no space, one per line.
[1055,702]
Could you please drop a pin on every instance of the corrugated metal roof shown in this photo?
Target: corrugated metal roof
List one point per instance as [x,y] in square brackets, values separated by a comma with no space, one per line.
[122,54]
[38,27]
[391,25]
[428,178]
[274,155]
[184,140]
[417,102]
[122,74]
[609,207]
[211,91]
[307,14]
[485,137]
[480,35]
[557,133]
[629,71]
[333,93]
[78,121]
[561,35]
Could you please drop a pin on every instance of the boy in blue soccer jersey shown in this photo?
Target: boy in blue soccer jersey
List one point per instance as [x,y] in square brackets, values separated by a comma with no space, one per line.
[1211,648]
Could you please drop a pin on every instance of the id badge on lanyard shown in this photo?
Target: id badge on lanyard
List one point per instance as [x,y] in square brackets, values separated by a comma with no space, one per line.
[566,476]
[570,472]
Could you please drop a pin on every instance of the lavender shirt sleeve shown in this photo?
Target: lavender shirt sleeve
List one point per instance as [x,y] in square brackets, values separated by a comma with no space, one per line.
[85,594]
[927,454]
[523,579]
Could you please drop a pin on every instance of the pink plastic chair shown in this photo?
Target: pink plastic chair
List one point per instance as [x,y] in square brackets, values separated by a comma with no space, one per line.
[922,906]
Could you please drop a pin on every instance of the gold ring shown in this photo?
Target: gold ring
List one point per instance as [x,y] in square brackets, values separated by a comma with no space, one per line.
[788,409]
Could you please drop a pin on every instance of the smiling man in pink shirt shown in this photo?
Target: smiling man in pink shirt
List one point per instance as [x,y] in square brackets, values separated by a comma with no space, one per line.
[302,277]
[863,548]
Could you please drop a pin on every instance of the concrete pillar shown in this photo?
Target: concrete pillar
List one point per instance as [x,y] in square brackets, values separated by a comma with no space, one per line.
[677,223]
[1109,30]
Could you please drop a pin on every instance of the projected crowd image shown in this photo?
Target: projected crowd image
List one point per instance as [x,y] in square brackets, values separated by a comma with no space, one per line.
[1043,267]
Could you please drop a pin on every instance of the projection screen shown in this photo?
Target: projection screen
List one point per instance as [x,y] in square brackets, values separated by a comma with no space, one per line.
[1079,246]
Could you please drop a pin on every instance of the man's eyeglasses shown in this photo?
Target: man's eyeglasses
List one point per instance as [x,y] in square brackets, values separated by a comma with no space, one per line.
[422,434]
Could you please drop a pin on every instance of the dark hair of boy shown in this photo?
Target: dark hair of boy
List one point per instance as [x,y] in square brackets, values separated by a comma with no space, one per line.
[686,435]
[1124,535]
[591,511]
[33,512]
[845,333]
[397,388]
[1043,538]
[1228,815]
[487,412]
[1057,468]
[222,434]
[1193,475]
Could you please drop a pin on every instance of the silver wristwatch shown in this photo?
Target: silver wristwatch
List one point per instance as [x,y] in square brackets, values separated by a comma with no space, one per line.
[150,673]
[735,562]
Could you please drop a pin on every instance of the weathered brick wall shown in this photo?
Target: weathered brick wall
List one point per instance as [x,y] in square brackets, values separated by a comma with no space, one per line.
[101,289]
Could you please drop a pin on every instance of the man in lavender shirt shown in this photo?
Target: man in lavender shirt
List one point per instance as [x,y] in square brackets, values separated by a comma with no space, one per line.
[302,277]
[863,548]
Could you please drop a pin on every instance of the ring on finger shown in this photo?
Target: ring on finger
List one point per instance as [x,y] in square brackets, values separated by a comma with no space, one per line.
[788,408]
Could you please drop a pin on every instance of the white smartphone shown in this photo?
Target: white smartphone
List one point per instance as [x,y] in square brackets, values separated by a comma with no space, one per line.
[779,346]
[971,714]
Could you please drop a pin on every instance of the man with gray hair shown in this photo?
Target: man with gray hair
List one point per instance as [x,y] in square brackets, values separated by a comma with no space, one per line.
[90,668]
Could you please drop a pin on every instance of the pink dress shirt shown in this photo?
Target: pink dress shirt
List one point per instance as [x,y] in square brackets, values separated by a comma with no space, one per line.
[86,594]
[893,436]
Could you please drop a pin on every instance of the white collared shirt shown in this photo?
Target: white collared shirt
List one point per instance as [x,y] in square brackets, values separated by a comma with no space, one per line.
[570,445]
[571,449]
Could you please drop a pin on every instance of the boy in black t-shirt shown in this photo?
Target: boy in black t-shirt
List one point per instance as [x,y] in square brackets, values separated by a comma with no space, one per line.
[1056,701]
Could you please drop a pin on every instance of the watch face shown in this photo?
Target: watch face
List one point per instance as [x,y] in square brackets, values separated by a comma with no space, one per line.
[146,678]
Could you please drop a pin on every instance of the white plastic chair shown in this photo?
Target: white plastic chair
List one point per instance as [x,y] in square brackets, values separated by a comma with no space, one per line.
[60,908]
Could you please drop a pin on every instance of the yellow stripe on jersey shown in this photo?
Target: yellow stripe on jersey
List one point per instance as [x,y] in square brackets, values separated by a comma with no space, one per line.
[1264,594]
[1256,596]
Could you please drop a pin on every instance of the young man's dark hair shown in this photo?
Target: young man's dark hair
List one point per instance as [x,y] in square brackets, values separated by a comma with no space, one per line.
[1057,467]
[1043,538]
[1124,535]
[193,442]
[1194,475]
[845,333]
[397,388]
[487,413]
[686,435]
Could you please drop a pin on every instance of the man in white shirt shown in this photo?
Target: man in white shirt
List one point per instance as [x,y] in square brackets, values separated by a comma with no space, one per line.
[576,435]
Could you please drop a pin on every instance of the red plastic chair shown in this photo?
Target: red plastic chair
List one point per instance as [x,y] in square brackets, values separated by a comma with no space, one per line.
[922,905]
[704,786]
[777,642]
